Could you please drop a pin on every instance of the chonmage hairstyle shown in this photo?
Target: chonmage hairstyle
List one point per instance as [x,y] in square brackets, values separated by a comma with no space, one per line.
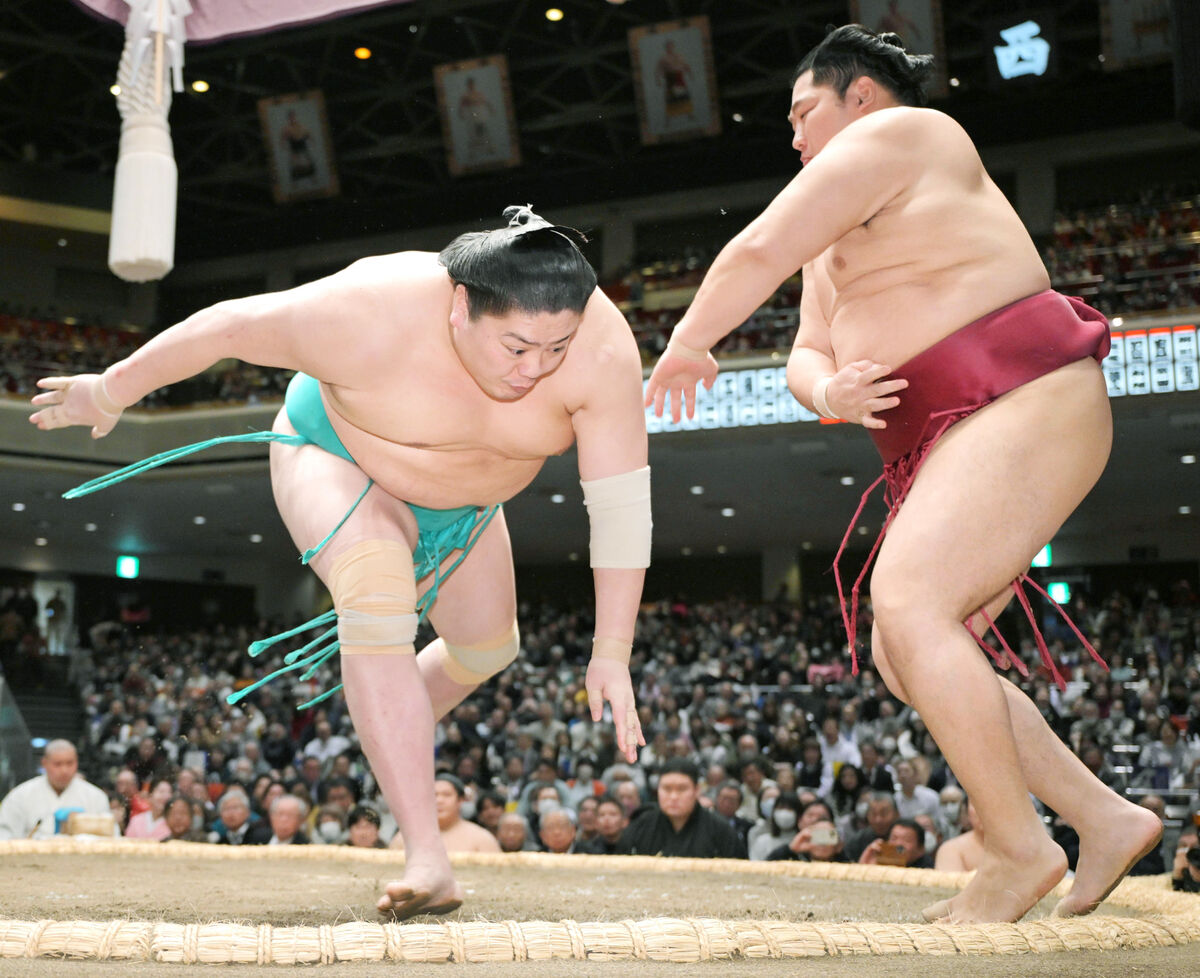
[852,51]
[530,265]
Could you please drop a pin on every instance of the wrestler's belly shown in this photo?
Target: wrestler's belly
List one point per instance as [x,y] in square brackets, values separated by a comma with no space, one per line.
[894,322]
[445,479]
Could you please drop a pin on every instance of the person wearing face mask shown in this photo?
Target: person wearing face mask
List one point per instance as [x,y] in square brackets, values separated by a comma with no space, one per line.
[330,826]
[880,816]
[780,816]
[951,811]
[855,820]
[762,823]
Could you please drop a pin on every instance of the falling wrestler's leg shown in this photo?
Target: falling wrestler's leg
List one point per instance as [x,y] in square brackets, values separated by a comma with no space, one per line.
[475,618]
[371,556]
[995,487]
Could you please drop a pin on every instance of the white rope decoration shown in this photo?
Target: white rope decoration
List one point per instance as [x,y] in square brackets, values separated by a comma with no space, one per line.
[1169,919]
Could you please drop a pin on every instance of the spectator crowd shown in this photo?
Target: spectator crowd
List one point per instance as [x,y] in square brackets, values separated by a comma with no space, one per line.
[760,744]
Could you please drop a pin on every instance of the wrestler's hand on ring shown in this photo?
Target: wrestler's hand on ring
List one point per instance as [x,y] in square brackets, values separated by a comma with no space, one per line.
[679,376]
[608,679]
[79,400]
[858,391]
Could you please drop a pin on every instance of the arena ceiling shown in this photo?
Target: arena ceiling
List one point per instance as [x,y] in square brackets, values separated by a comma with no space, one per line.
[573,97]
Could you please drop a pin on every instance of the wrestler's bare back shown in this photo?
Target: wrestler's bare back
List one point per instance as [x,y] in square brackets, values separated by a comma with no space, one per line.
[417,422]
[944,252]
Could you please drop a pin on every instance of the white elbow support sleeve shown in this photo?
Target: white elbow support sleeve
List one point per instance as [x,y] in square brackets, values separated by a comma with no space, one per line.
[619,513]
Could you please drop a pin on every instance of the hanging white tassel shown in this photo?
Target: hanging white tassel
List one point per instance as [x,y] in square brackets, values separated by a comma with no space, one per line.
[141,244]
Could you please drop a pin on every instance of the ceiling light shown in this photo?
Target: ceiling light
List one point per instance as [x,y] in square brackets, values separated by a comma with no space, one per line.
[18,507]
[697,490]
[200,85]
[1185,510]
[256,538]
[572,556]
[863,531]
[413,28]
[727,511]
[806,545]
[62,242]
[954,83]
[1118,321]
[115,89]
[363,54]
[847,480]
[686,551]
[90,527]
[738,117]
[199,520]
[41,541]
[722,548]
[553,14]
[1188,459]
[557,497]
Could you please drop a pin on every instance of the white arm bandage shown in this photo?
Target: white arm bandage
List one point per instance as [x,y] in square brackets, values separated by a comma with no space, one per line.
[619,513]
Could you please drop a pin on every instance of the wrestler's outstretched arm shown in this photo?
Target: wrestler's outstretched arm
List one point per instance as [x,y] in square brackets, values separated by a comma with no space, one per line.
[610,433]
[304,328]
[863,168]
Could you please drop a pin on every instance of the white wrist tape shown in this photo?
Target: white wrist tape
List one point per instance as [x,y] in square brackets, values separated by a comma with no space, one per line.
[676,348]
[104,402]
[619,513]
[612,648]
[819,402]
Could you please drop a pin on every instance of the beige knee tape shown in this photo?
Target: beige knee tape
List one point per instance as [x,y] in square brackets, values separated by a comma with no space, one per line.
[375,593]
[471,665]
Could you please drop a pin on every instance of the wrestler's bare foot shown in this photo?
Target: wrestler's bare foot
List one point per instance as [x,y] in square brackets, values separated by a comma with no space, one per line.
[424,889]
[1004,888]
[1107,852]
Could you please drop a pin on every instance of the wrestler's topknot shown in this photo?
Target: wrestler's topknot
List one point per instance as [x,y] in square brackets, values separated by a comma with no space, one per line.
[528,265]
[852,51]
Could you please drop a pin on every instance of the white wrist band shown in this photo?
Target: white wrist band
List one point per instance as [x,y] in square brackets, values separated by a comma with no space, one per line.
[819,401]
[105,402]
[679,349]
[612,648]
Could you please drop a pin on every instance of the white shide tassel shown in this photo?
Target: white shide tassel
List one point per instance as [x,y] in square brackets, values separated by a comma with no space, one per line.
[141,245]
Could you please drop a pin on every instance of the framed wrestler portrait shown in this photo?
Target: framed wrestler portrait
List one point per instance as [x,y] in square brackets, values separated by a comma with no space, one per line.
[1134,32]
[478,122]
[299,148]
[674,80]
[919,24]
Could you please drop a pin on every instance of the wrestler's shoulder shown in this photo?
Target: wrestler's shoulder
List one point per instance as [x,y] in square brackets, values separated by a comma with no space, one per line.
[405,281]
[605,336]
[910,126]
[397,266]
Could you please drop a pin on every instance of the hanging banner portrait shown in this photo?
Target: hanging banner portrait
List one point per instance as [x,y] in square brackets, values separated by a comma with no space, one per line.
[919,24]
[478,123]
[1134,32]
[299,148]
[674,80]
